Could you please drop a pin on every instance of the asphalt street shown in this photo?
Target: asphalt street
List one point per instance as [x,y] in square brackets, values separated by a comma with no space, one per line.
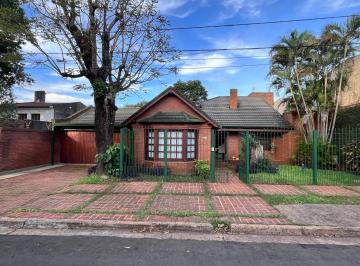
[88,250]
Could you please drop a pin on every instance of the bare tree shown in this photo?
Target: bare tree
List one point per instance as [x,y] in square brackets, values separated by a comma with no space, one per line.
[114,44]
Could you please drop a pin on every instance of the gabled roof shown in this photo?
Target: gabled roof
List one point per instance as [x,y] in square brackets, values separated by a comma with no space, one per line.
[171,117]
[170,91]
[252,112]
[86,117]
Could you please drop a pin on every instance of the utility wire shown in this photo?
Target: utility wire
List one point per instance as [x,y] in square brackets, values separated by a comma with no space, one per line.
[193,27]
[203,50]
[259,23]
[237,66]
[185,68]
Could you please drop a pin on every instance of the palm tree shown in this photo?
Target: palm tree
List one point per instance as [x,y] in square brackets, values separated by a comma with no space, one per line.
[344,37]
[289,65]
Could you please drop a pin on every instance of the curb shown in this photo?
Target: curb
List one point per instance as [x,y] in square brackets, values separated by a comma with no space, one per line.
[240,229]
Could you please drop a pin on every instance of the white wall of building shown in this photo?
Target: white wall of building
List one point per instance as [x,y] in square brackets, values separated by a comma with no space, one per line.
[46,114]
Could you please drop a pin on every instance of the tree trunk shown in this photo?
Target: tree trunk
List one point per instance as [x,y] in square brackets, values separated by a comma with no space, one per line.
[297,110]
[338,94]
[104,126]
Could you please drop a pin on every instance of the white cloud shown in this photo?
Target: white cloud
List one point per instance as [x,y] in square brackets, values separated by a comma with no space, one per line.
[206,65]
[235,42]
[62,98]
[56,87]
[232,71]
[25,95]
[250,8]
[329,6]
[179,8]
[165,6]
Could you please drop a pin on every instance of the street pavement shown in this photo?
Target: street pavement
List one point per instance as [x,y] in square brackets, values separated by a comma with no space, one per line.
[95,250]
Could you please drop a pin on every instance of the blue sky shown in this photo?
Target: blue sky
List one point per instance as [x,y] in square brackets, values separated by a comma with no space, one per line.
[205,12]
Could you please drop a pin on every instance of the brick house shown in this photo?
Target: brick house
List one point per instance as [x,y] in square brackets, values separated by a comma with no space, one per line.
[187,129]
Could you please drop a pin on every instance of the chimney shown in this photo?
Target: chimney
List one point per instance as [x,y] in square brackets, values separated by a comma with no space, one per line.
[267,96]
[39,96]
[233,102]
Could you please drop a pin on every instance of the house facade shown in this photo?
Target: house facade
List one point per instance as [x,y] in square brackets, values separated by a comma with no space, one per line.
[173,131]
[40,110]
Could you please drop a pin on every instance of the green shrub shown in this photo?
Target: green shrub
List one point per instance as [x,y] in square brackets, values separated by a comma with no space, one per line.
[326,154]
[263,165]
[202,169]
[351,155]
[111,159]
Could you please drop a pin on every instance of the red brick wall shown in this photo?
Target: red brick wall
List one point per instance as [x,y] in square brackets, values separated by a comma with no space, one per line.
[204,146]
[171,103]
[286,146]
[21,148]
[79,146]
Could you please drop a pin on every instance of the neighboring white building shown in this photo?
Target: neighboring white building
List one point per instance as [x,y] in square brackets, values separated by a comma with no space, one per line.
[40,110]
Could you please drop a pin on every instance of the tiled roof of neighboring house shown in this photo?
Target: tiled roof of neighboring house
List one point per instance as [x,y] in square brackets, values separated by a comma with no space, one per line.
[252,112]
[34,105]
[62,110]
[171,117]
[86,117]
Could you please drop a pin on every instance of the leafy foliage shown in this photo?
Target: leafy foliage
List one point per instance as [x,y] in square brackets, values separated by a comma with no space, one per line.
[202,169]
[111,159]
[13,26]
[351,153]
[193,90]
[313,71]
[326,154]
[349,117]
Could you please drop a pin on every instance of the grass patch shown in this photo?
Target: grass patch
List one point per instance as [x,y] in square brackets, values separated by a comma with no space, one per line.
[90,179]
[221,225]
[175,178]
[146,210]
[207,195]
[292,174]
[310,199]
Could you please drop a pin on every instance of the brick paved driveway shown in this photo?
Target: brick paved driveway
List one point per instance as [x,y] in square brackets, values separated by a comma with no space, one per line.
[51,194]
[17,191]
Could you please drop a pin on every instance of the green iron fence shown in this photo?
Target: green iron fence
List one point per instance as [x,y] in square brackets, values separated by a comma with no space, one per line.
[277,157]
[272,156]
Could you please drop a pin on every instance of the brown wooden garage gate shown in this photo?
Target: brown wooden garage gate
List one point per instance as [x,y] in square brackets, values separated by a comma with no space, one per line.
[79,146]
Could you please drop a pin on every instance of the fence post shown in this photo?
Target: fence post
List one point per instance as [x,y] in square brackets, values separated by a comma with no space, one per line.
[314,156]
[226,147]
[247,157]
[52,147]
[131,146]
[122,143]
[212,158]
[166,173]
